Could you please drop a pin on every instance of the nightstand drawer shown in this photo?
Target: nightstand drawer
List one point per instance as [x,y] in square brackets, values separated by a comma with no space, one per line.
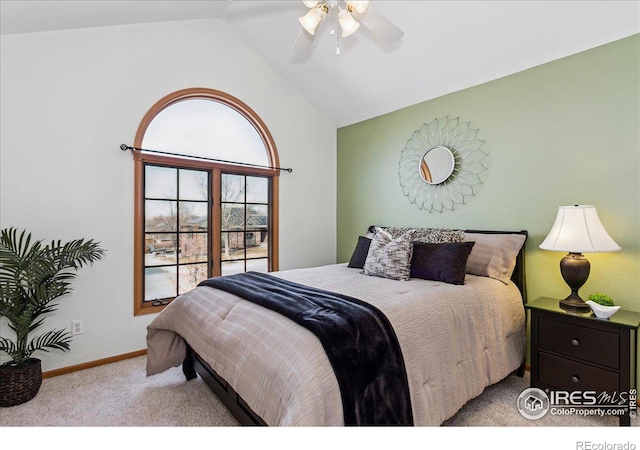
[573,376]
[579,342]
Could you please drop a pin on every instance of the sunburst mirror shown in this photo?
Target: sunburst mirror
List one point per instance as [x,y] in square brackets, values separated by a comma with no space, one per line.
[443,165]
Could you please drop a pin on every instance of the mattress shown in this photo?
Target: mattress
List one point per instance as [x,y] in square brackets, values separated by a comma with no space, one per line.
[455,340]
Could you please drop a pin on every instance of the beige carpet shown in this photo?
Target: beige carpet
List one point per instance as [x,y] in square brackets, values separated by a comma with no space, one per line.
[120,395]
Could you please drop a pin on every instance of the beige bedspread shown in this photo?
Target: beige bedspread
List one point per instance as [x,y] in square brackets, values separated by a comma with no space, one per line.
[456,340]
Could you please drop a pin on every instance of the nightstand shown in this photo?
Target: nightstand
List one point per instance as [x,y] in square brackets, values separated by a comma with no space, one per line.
[573,351]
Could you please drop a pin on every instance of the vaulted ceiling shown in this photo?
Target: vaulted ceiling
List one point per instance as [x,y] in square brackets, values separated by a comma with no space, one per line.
[447,45]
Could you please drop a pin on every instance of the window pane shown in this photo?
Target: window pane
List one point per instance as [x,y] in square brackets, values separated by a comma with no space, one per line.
[257,190]
[257,217]
[160,215]
[257,244]
[232,246]
[194,185]
[257,265]
[232,188]
[160,283]
[159,249]
[160,182]
[232,267]
[232,218]
[191,275]
[193,216]
[193,247]
[200,127]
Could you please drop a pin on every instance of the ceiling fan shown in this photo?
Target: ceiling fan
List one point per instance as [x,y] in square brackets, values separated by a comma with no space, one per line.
[346,17]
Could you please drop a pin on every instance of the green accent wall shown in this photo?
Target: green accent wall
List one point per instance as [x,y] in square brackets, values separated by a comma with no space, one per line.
[563,133]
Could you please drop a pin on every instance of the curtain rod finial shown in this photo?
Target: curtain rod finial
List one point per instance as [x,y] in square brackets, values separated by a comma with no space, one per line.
[125,147]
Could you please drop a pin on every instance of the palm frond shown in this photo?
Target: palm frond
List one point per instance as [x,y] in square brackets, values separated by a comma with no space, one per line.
[8,347]
[75,254]
[51,340]
[19,246]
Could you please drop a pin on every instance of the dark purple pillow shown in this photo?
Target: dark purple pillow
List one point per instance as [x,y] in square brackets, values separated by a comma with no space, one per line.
[360,253]
[440,262]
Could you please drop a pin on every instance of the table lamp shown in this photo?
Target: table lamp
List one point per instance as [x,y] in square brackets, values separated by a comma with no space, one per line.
[577,230]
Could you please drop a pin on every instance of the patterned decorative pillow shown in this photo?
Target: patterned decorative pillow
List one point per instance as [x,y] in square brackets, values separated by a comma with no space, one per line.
[389,257]
[428,235]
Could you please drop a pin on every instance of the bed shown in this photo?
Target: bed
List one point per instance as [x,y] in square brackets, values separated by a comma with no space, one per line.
[455,339]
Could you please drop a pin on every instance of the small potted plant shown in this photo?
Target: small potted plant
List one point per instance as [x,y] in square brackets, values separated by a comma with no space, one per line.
[32,277]
[602,305]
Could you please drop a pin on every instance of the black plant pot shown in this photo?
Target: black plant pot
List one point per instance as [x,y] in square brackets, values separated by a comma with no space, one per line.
[19,385]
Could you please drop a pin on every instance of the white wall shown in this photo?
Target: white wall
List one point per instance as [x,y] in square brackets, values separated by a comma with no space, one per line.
[70,98]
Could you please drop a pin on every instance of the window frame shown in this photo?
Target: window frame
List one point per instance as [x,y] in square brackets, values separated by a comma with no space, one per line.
[141,159]
[177,233]
[245,228]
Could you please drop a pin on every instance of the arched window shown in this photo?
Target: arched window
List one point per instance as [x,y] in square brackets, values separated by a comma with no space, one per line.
[197,218]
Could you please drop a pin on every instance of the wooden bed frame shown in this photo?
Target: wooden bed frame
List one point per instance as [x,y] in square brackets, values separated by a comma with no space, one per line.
[194,365]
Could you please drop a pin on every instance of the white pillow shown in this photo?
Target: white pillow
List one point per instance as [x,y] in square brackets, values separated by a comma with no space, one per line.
[494,255]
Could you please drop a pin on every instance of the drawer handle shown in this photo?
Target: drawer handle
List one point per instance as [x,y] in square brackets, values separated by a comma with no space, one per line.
[575,342]
[575,378]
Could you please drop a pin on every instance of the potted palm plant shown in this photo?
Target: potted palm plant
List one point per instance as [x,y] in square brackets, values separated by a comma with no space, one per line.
[33,277]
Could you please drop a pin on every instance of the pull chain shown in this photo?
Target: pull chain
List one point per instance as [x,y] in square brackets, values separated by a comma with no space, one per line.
[337,39]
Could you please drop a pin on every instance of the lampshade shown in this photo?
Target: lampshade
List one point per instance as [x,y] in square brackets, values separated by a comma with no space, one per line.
[578,229]
[360,6]
[310,3]
[311,19]
[347,23]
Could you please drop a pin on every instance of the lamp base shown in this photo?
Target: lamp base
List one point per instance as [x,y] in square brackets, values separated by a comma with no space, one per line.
[574,304]
[575,270]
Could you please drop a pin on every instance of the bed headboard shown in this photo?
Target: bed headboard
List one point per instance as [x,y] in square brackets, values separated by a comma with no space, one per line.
[519,274]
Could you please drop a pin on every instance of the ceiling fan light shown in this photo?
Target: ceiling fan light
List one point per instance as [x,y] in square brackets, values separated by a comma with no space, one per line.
[310,4]
[311,19]
[360,6]
[347,23]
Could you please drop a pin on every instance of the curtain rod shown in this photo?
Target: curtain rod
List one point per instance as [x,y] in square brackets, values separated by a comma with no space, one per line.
[125,147]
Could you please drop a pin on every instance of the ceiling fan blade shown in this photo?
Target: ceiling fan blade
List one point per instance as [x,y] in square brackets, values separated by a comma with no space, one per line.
[379,25]
[303,42]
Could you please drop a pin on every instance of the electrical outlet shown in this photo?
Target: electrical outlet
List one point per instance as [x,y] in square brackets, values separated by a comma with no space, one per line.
[77,327]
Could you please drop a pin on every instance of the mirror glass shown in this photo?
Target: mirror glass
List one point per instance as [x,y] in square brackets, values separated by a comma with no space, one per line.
[437,165]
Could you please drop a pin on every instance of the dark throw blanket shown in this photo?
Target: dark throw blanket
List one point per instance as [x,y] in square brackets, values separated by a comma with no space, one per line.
[359,341]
